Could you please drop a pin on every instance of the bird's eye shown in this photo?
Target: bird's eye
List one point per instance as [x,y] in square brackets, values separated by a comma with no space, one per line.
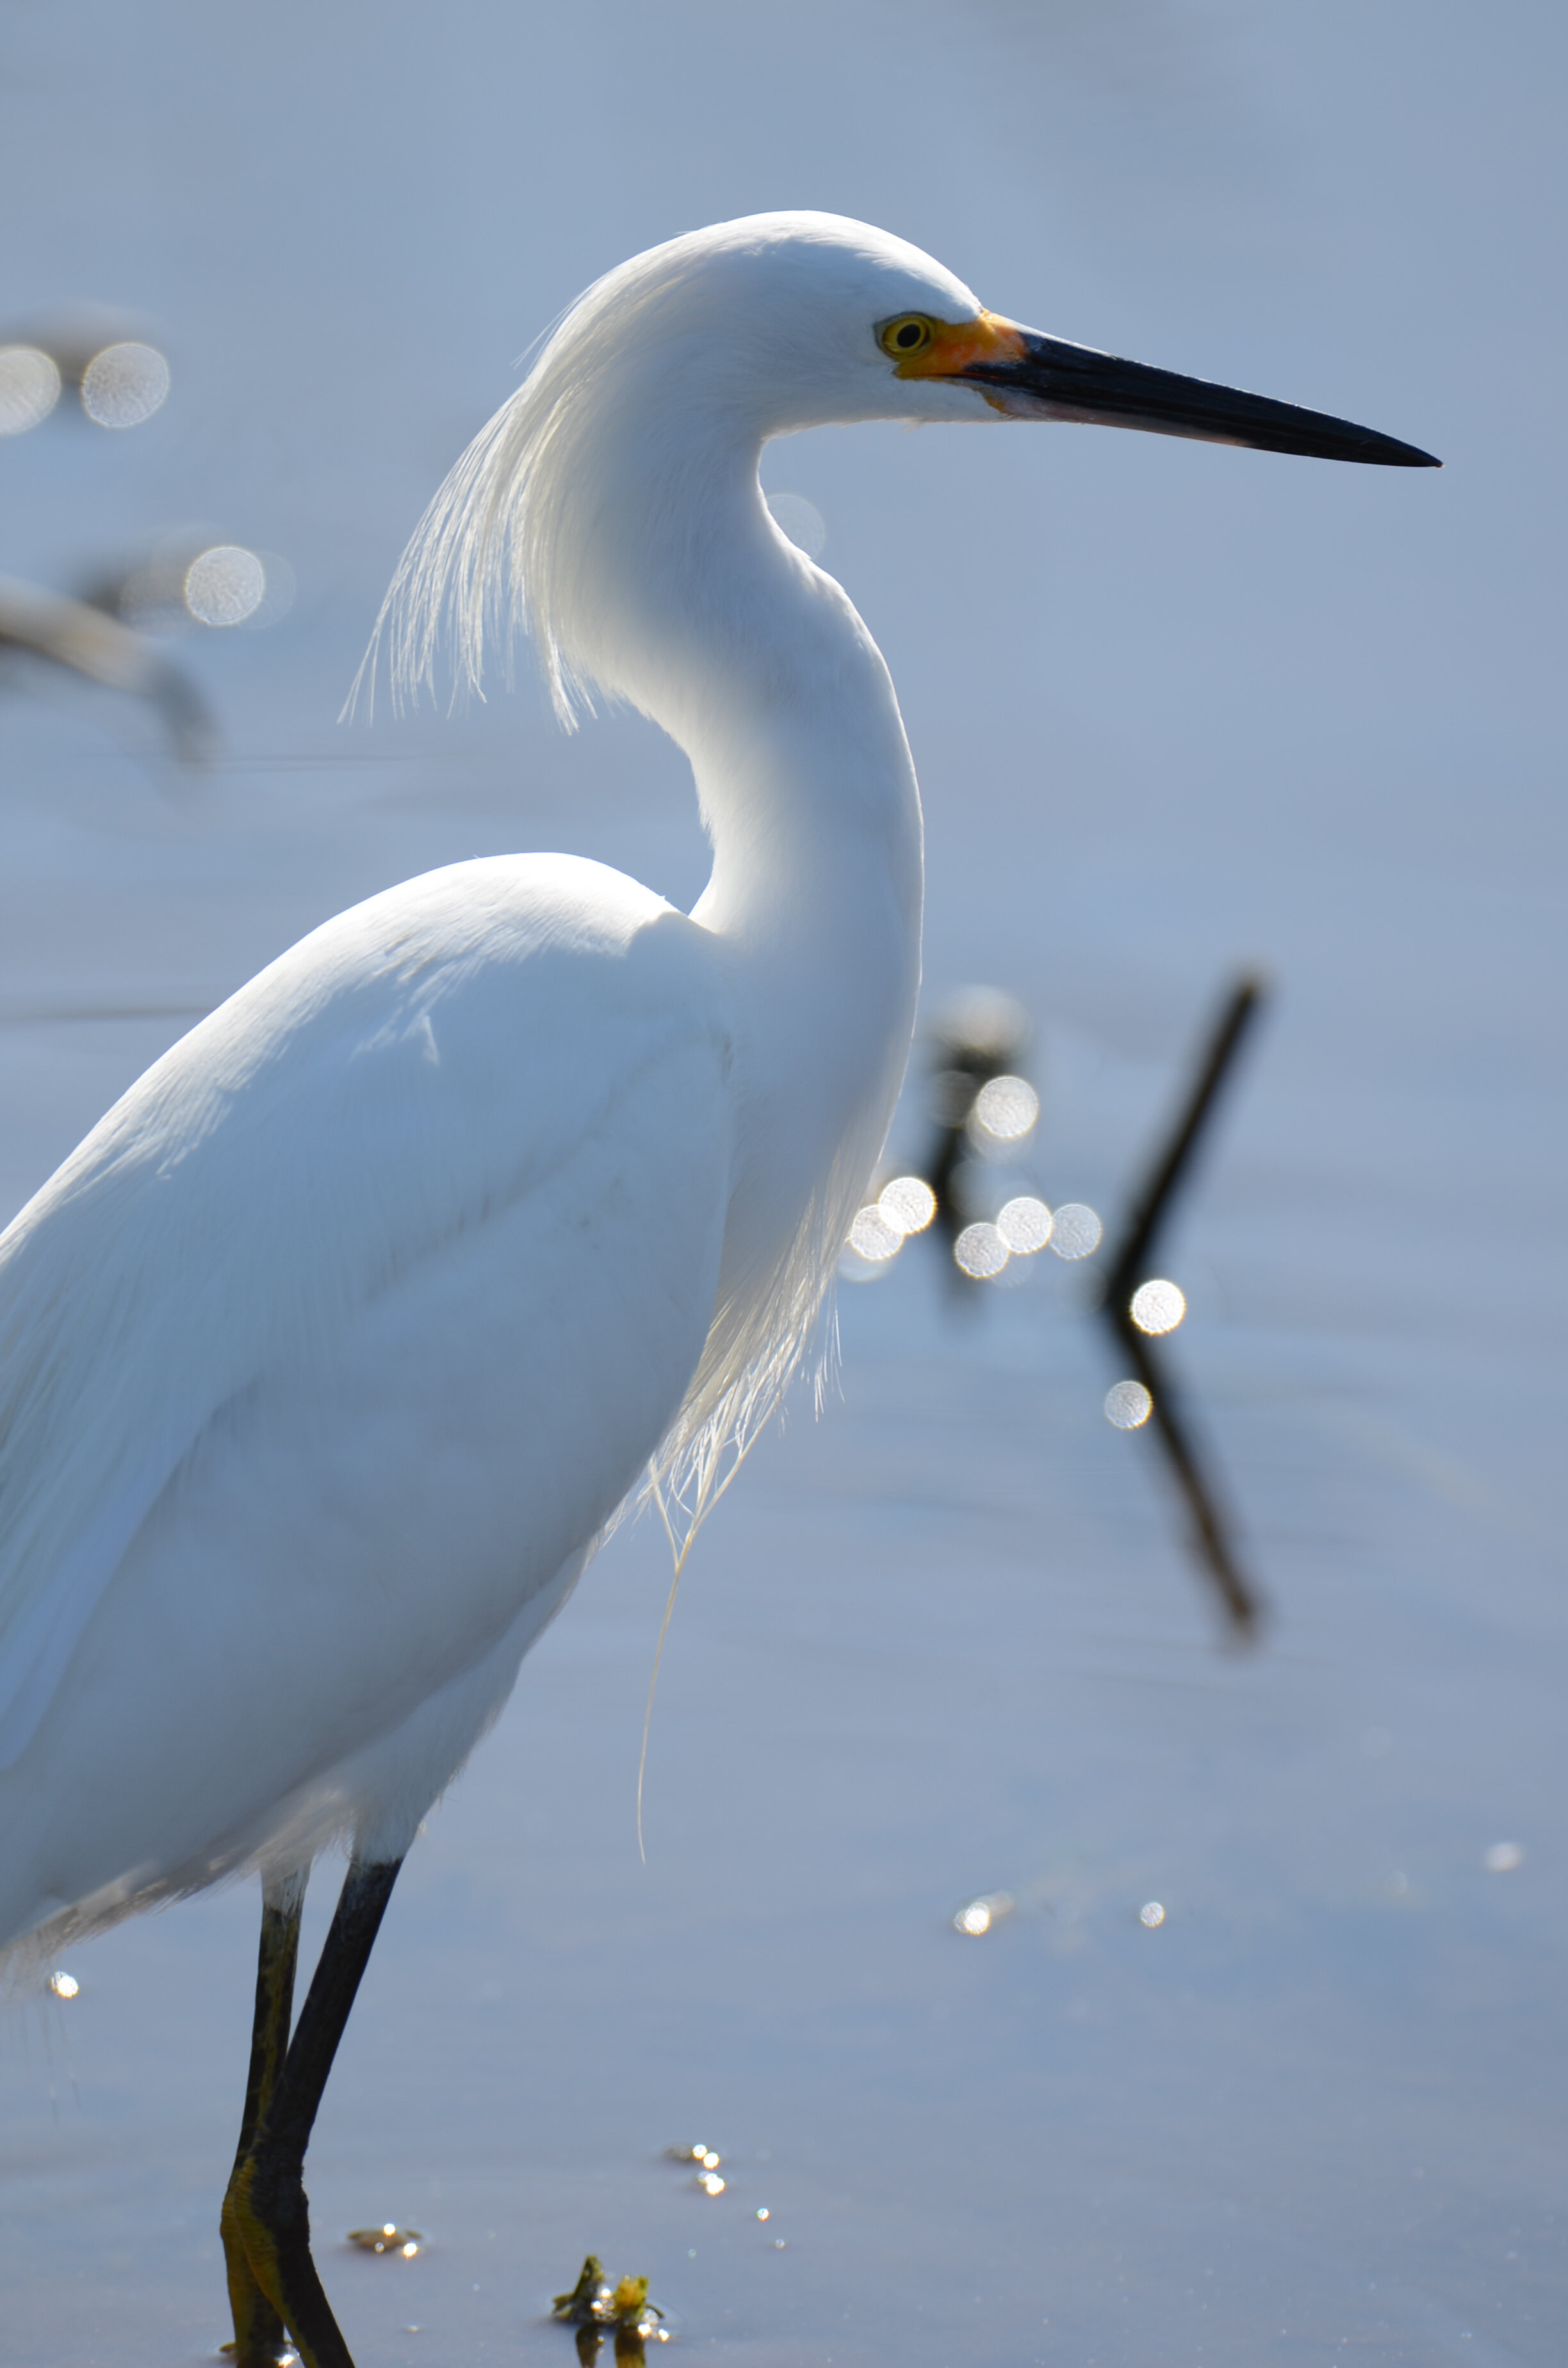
[909,333]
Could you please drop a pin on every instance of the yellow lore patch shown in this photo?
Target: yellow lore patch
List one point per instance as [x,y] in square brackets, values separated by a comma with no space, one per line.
[923,347]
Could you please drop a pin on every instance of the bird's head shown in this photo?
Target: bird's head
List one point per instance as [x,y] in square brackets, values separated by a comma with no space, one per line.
[796,320]
[676,367]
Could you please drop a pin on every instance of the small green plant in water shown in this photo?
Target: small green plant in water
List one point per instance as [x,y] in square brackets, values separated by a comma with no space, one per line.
[594,2305]
[583,2301]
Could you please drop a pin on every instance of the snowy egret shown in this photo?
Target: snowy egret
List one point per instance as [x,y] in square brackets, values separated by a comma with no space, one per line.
[329,1355]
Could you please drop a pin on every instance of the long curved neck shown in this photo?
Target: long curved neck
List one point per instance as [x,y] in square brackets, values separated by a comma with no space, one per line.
[758,666]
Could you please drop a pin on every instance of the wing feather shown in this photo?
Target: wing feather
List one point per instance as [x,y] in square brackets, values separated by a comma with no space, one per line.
[420,1063]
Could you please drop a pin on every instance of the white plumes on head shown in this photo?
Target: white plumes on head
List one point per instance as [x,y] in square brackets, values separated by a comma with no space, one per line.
[501,547]
[479,565]
[741,331]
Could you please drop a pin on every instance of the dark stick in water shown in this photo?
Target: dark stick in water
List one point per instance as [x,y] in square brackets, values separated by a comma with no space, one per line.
[1210,1536]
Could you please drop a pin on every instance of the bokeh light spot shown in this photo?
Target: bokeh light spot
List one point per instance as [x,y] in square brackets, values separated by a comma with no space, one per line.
[978,1917]
[872,1236]
[1151,1915]
[125,384]
[1158,1306]
[30,387]
[1503,1858]
[907,1205]
[979,1251]
[1023,1224]
[1075,1231]
[1128,1406]
[1006,1109]
[224,586]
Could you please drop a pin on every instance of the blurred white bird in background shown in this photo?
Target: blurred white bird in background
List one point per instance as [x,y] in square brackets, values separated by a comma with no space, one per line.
[328,1357]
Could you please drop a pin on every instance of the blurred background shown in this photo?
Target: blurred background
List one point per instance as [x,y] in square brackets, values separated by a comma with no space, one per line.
[946,1713]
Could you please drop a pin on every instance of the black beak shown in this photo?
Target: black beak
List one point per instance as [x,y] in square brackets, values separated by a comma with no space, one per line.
[1053,380]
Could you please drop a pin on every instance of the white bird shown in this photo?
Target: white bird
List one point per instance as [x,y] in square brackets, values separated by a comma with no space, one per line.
[329,1355]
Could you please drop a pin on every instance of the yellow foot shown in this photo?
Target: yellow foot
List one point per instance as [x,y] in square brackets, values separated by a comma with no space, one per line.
[273,2287]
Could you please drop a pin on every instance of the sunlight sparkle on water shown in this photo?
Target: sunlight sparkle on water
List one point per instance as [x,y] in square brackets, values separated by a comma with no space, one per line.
[1075,1231]
[1023,1224]
[30,387]
[388,2238]
[1158,1306]
[981,1251]
[1501,1859]
[63,1985]
[1151,1915]
[1129,1406]
[1004,1109]
[907,1205]
[978,1916]
[125,384]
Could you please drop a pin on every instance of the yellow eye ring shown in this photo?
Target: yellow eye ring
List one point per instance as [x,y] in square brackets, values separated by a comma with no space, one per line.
[908,335]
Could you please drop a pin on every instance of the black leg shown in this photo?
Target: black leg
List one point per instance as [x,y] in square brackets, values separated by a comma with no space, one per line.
[270,2213]
[258,2330]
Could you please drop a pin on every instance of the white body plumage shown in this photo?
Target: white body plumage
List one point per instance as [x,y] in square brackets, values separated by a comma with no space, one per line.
[328,1356]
